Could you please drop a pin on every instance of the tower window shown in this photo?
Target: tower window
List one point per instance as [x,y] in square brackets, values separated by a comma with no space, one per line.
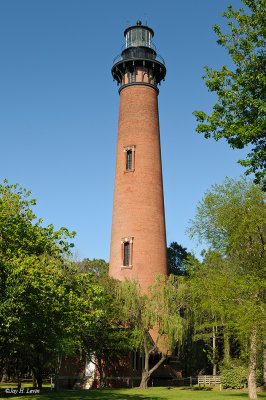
[127,251]
[129,158]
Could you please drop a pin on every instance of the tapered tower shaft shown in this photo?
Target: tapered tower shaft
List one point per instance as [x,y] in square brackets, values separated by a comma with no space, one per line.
[138,240]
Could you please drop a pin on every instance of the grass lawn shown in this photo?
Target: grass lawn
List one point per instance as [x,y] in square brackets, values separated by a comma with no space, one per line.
[160,393]
[23,384]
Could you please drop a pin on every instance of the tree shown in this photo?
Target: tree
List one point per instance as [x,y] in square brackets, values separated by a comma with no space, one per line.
[43,299]
[239,114]
[97,267]
[176,257]
[154,318]
[104,339]
[44,304]
[210,319]
[232,219]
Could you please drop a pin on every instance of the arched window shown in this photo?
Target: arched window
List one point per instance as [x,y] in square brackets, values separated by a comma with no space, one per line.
[130,152]
[127,252]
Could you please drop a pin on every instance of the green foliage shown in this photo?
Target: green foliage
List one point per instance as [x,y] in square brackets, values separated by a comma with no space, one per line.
[176,257]
[260,365]
[231,285]
[49,306]
[19,234]
[154,318]
[192,354]
[98,268]
[239,114]
[43,300]
[231,218]
[234,377]
[159,310]
[103,338]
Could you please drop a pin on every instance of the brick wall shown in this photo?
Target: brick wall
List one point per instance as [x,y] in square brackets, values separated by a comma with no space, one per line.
[138,207]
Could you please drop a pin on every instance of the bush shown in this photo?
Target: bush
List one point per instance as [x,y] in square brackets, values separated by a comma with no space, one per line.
[234,377]
[259,377]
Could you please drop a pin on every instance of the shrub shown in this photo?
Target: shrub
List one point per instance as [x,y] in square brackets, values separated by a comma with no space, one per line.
[259,377]
[234,377]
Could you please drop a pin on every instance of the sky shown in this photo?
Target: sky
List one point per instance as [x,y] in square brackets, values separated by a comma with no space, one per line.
[59,108]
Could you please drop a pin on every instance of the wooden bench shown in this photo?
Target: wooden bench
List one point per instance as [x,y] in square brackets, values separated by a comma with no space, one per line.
[209,380]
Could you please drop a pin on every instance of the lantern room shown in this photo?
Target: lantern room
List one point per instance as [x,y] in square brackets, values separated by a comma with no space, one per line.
[138,63]
[138,36]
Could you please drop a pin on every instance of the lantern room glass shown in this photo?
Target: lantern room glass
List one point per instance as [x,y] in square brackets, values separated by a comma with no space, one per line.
[138,36]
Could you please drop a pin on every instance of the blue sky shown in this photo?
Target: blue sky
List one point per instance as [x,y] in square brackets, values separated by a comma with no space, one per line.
[59,108]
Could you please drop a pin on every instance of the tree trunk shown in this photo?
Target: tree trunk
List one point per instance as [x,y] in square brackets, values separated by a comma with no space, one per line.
[57,370]
[102,381]
[264,363]
[252,387]
[39,383]
[38,375]
[214,369]
[144,380]
[39,379]
[19,381]
[4,375]
[34,381]
[146,373]
[56,382]
[100,369]
[226,349]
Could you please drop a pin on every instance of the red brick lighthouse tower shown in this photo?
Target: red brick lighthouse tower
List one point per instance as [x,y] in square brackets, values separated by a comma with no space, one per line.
[138,241]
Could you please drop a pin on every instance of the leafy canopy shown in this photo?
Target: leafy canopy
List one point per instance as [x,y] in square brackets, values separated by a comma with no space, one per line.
[231,218]
[176,257]
[157,311]
[231,286]
[239,114]
[154,318]
[43,301]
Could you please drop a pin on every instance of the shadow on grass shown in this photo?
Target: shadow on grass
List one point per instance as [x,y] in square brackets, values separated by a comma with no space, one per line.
[260,394]
[198,389]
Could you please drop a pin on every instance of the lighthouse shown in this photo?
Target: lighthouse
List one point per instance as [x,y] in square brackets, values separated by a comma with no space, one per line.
[138,238]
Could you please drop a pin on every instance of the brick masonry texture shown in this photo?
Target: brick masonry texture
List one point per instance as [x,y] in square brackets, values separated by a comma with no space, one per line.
[138,207]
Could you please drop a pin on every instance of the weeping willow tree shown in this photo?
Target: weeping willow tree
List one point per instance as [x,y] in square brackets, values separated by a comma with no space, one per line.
[155,318]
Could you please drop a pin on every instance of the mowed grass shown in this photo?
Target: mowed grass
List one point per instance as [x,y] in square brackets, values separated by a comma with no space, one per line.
[14,385]
[160,393]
